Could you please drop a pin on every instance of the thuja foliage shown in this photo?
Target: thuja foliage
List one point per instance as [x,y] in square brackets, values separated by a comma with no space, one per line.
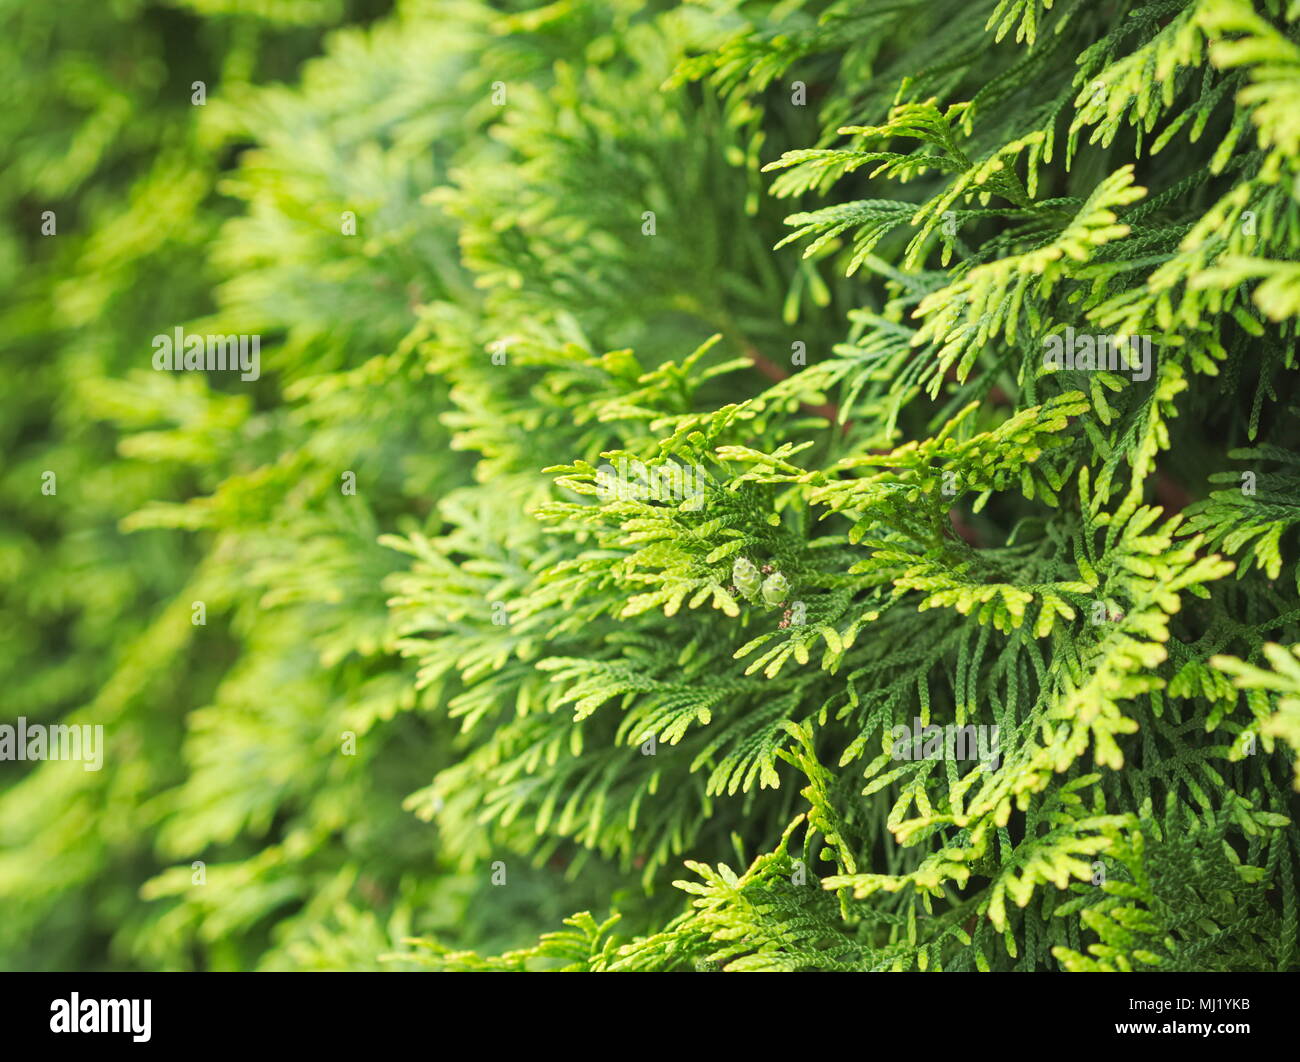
[670,445]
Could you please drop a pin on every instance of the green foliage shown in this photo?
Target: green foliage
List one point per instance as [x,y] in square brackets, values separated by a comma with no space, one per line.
[688,363]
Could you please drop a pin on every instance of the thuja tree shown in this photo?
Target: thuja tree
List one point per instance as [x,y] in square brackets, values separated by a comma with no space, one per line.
[806,486]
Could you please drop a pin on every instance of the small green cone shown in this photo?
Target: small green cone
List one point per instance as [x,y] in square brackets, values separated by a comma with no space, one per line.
[745,576]
[775,589]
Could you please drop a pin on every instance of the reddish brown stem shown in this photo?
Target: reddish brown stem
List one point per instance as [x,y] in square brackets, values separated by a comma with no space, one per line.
[774,372]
